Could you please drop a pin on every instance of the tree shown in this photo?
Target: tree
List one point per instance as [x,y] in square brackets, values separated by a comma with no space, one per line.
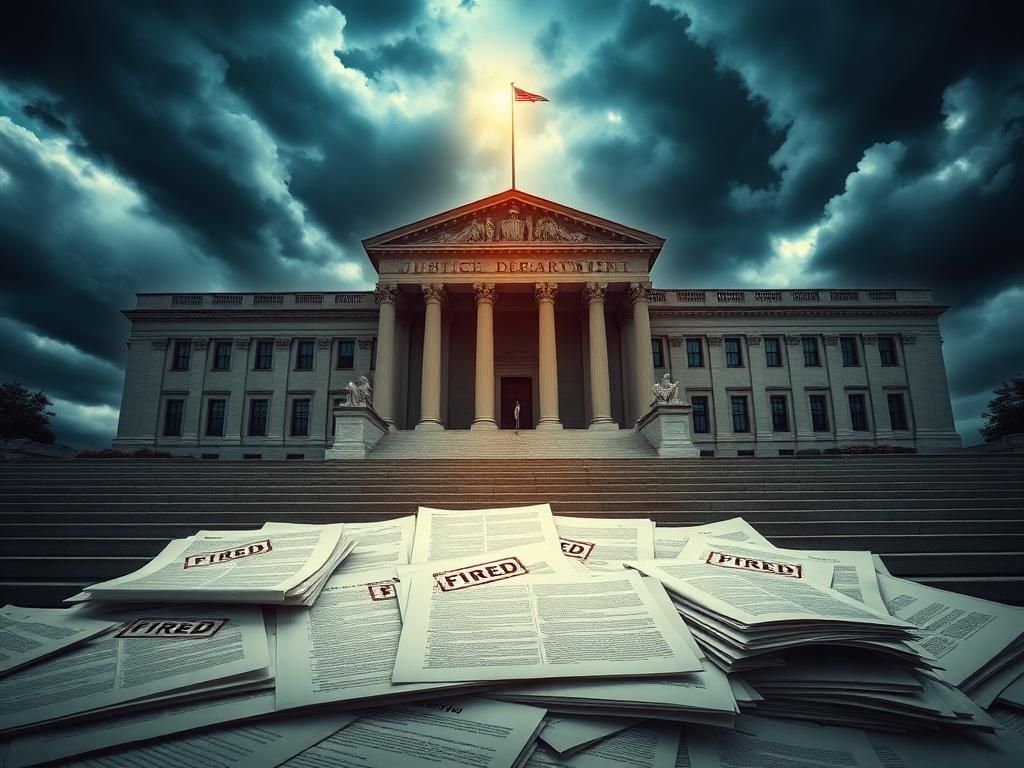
[24,414]
[1005,413]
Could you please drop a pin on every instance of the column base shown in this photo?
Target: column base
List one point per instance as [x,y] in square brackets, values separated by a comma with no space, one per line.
[430,425]
[484,424]
[603,425]
[549,424]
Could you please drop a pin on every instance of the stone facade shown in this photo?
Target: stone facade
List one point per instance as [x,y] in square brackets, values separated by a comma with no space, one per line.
[546,305]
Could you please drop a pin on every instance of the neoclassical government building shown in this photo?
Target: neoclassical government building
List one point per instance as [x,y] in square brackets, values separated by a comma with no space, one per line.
[514,298]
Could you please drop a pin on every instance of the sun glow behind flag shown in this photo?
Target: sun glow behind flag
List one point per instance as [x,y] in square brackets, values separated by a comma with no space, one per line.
[521,95]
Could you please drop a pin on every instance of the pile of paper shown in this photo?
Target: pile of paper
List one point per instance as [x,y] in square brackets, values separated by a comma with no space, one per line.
[281,564]
[511,637]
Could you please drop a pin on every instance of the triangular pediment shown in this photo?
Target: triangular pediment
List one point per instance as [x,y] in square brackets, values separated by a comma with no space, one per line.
[511,219]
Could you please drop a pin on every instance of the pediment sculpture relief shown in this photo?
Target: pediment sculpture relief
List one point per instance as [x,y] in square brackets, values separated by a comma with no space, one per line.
[512,227]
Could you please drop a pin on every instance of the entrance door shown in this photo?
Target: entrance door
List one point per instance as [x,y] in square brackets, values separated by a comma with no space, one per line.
[516,388]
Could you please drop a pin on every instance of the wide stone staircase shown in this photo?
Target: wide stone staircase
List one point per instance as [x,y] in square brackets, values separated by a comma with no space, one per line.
[504,443]
[954,521]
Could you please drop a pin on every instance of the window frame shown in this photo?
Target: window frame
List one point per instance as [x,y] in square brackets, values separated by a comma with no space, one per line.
[180,361]
[862,413]
[823,398]
[773,399]
[890,350]
[738,350]
[657,353]
[849,343]
[301,345]
[700,352]
[703,413]
[337,355]
[904,420]
[814,347]
[215,363]
[769,342]
[744,413]
[262,344]
[223,403]
[265,416]
[294,421]
[179,402]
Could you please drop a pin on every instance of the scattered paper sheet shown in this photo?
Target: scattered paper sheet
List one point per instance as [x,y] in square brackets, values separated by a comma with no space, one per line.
[536,627]
[566,734]
[30,634]
[460,731]
[388,542]
[670,540]
[653,745]
[602,543]
[446,533]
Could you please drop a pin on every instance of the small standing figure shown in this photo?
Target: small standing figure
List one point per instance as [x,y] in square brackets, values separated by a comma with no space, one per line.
[666,391]
[360,393]
[515,416]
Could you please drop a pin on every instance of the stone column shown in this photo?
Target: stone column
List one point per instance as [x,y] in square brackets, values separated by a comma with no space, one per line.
[548,365]
[600,390]
[483,415]
[430,389]
[643,362]
[387,296]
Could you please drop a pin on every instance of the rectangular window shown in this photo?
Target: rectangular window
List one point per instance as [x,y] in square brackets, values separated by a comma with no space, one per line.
[848,344]
[657,353]
[733,355]
[897,412]
[258,417]
[699,403]
[780,414]
[304,355]
[215,417]
[740,419]
[887,350]
[811,357]
[858,413]
[264,355]
[346,354]
[694,353]
[300,417]
[222,356]
[373,355]
[772,352]
[173,412]
[819,413]
[182,354]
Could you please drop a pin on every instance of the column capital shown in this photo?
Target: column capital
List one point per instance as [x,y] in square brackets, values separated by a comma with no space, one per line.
[545,292]
[714,341]
[870,338]
[485,293]
[433,293]
[638,293]
[283,343]
[830,341]
[753,341]
[242,342]
[200,344]
[676,341]
[794,341]
[387,293]
[595,292]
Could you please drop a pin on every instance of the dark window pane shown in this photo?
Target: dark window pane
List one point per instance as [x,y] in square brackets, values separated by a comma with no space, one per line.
[264,355]
[849,346]
[300,417]
[304,355]
[740,421]
[657,354]
[733,356]
[258,417]
[215,418]
[887,350]
[694,353]
[222,355]
[347,353]
[819,413]
[172,417]
[700,414]
[182,354]
[858,413]
[373,355]
[780,415]
[811,352]
[897,412]
[772,352]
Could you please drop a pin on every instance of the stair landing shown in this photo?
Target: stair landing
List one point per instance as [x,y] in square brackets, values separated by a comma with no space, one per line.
[506,444]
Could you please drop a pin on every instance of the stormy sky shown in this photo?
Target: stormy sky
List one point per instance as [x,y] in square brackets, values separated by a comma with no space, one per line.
[229,146]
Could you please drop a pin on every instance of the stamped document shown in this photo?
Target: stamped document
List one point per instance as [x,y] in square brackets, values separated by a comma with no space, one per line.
[30,634]
[601,543]
[445,533]
[388,542]
[496,626]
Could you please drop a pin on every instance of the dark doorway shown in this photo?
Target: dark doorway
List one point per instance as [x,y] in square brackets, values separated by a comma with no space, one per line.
[516,388]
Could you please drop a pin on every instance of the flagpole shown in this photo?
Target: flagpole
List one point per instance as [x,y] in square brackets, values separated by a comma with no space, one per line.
[512,101]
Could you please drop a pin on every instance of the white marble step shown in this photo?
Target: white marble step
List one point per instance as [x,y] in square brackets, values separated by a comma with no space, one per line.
[528,444]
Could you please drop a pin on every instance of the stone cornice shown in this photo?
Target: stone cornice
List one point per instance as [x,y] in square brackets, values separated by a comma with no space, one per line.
[254,316]
[732,310]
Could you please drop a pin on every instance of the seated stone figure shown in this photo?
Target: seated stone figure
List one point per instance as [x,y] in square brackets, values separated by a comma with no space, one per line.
[666,391]
[359,394]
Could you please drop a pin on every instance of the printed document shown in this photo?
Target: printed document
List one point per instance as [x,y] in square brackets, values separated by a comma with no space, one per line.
[601,543]
[653,745]
[566,734]
[444,533]
[388,542]
[489,623]
[670,540]
[30,634]
[448,732]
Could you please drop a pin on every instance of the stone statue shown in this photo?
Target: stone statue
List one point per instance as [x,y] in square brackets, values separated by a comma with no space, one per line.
[360,394]
[666,391]
[512,227]
[549,230]
[489,229]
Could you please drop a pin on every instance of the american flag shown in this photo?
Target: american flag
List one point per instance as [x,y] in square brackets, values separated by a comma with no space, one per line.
[521,95]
